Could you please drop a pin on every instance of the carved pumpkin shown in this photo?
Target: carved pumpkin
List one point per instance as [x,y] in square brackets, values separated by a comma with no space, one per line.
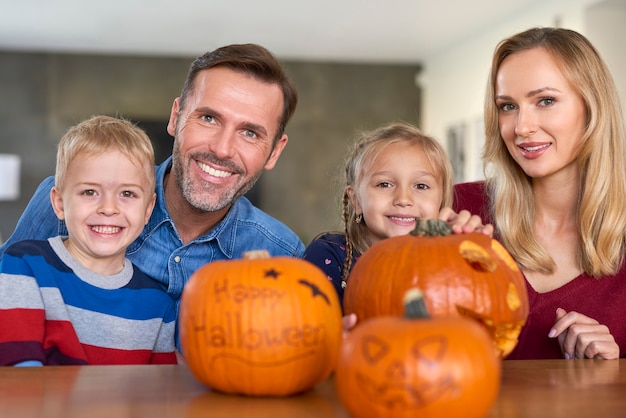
[260,326]
[469,275]
[418,367]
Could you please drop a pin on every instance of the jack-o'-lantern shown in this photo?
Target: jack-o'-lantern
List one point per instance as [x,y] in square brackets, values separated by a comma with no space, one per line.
[469,275]
[260,325]
[414,366]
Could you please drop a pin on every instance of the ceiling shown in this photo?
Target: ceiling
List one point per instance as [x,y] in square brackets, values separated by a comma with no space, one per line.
[328,30]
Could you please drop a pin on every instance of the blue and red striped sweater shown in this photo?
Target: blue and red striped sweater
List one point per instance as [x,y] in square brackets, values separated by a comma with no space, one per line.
[55,311]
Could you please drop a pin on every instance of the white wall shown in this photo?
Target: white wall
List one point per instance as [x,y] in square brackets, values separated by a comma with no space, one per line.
[454,81]
[606,28]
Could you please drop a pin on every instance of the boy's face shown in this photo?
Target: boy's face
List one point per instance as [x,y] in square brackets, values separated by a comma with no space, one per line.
[399,186]
[106,201]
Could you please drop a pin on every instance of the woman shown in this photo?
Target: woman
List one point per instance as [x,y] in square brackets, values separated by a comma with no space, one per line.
[555,190]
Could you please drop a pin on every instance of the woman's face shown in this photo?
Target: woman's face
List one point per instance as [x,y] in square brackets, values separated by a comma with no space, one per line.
[541,116]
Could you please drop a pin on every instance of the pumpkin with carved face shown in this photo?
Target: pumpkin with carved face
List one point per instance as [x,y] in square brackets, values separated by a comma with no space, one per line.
[260,326]
[469,275]
[415,366]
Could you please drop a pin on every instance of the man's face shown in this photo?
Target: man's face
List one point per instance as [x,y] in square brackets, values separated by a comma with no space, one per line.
[224,137]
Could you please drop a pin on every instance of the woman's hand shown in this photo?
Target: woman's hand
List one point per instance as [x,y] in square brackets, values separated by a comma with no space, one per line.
[583,337]
[464,222]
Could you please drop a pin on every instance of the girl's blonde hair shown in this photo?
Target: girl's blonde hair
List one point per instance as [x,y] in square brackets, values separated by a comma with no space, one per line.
[601,159]
[100,134]
[364,152]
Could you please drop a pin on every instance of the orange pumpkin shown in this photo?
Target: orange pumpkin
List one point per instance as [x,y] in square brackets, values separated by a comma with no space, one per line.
[260,326]
[411,367]
[469,275]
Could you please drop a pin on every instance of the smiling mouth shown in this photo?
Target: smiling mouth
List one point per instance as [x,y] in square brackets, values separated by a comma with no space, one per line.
[106,229]
[212,171]
[534,148]
[402,218]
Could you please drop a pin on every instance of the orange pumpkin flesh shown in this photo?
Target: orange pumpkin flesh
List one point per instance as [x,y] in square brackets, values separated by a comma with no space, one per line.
[408,367]
[468,275]
[266,326]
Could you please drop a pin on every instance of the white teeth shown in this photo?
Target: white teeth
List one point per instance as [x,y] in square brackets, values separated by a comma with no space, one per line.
[106,229]
[536,148]
[212,171]
[397,218]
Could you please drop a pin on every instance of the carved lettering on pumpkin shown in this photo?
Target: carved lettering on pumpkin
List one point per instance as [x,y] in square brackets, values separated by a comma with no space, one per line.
[233,334]
[239,293]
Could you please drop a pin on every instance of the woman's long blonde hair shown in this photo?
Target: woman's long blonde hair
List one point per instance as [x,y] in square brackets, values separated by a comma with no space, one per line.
[601,159]
[364,152]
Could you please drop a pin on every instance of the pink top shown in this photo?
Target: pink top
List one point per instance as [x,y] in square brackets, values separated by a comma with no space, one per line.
[602,299]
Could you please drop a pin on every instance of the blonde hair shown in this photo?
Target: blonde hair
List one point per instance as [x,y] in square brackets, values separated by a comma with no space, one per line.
[601,159]
[100,134]
[364,152]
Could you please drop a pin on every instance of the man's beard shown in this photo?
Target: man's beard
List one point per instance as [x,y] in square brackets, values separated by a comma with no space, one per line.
[199,195]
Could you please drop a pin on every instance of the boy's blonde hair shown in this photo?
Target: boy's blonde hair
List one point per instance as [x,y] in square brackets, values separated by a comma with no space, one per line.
[100,134]
[365,150]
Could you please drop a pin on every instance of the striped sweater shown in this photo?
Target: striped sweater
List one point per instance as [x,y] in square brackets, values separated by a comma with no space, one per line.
[55,311]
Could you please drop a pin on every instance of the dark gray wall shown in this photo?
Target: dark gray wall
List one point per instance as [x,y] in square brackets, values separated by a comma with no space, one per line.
[43,94]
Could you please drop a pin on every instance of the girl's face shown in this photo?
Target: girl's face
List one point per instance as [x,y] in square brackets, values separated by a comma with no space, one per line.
[541,117]
[106,201]
[399,186]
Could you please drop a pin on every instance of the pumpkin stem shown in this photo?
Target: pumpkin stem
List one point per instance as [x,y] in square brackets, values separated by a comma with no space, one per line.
[253,254]
[431,228]
[414,304]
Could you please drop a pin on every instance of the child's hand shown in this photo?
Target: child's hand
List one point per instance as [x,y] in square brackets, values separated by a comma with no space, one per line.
[348,322]
[464,222]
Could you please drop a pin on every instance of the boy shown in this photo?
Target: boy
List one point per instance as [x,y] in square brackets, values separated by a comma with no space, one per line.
[76,299]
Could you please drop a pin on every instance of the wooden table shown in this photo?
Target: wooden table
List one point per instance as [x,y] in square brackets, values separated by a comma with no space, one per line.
[544,388]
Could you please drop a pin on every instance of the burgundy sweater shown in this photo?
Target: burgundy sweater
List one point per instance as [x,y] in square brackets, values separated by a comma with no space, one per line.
[602,299]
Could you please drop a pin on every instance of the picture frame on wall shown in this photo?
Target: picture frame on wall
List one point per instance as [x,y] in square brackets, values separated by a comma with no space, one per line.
[456,147]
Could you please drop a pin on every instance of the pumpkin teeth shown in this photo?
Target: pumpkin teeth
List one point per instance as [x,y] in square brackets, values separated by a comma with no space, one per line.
[513,300]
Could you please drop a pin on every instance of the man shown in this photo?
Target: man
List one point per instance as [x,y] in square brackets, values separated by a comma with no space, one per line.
[228,126]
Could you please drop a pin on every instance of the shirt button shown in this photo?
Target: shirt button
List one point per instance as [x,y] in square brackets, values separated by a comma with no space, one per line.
[177,259]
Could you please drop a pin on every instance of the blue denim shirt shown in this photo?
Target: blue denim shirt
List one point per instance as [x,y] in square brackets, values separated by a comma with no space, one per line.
[159,251]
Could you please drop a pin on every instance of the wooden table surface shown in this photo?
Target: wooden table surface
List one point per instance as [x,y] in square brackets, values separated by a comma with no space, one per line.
[543,388]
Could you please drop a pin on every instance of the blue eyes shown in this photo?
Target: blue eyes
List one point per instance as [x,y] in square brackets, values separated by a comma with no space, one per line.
[125,193]
[543,102]
[249,134]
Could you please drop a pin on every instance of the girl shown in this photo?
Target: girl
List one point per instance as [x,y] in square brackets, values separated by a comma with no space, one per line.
[393,176]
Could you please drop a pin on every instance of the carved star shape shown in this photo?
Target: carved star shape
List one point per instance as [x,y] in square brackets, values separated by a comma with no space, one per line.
[271,273]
